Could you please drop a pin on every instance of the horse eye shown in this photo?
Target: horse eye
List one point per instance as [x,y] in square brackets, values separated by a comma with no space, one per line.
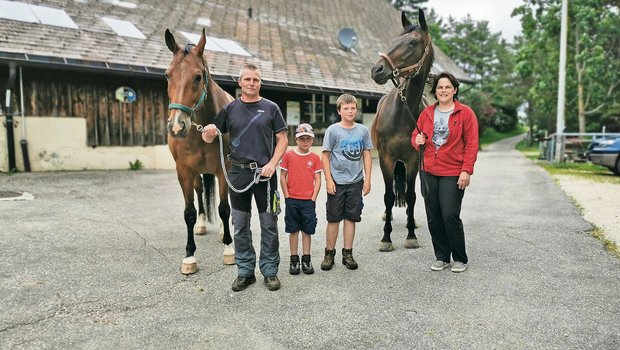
[413,43]
[197,78]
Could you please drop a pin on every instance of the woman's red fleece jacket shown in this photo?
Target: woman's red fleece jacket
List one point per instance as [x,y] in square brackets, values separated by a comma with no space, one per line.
[460,151]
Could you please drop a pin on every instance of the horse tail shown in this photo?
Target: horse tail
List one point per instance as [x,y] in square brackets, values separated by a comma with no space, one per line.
[400,184]
[208,184]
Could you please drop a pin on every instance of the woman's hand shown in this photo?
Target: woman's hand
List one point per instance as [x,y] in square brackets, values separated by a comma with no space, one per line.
[420,139]
[463,180]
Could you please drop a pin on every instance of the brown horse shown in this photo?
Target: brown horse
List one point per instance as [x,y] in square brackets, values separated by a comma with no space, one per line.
[189,84]
[409,62]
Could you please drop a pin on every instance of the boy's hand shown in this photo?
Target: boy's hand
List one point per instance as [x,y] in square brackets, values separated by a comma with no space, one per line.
[330,186]
[366,187]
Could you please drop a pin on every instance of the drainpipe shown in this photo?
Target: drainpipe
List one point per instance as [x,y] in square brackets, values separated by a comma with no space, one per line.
[23,142]
[9,118]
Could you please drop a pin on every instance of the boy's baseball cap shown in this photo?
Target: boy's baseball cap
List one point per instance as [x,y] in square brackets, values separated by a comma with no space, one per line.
[304,129]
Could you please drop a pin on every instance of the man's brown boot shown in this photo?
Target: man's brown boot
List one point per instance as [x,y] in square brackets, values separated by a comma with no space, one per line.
[328,260]
[347,259]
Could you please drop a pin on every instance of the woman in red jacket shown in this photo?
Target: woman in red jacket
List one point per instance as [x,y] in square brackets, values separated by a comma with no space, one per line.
[449,142]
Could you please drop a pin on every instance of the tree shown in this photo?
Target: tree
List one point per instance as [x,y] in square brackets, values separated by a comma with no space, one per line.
[593,56]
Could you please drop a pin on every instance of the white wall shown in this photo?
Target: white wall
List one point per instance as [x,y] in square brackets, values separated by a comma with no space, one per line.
[59,144]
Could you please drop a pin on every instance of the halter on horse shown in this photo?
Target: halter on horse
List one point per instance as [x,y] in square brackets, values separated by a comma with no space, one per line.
[189,84]
[407,63]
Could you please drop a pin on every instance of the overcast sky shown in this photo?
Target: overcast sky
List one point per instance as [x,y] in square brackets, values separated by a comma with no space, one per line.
[496,12]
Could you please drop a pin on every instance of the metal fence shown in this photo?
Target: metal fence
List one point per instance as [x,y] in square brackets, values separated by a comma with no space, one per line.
[574,145]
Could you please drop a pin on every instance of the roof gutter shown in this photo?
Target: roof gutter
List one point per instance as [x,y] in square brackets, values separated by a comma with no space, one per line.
[72,64]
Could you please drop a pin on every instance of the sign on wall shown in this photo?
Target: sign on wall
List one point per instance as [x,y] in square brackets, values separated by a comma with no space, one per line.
[292,113]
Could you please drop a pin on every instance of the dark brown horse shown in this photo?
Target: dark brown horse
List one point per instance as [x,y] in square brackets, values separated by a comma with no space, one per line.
[195,99]
[407,63]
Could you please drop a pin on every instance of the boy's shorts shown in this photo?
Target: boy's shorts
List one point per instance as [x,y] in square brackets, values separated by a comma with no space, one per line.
[347,203]
[300,215]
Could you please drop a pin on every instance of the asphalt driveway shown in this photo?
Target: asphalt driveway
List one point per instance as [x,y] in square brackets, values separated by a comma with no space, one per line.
[92,262]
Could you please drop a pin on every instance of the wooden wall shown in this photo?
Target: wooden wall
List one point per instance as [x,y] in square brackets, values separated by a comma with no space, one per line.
[54,93]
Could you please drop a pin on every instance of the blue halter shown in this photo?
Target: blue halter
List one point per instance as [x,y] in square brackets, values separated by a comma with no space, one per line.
[188,110]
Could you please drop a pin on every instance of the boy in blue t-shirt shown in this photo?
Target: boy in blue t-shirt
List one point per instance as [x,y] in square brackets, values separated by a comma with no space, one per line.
[347,166]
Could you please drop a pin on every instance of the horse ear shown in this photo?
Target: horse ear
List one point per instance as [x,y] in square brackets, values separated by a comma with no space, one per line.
[201,44]
[404,19]
[422,21]
[170,42]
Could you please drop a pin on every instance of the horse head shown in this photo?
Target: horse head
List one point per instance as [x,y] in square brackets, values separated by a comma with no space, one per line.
[407,55]
[188,80]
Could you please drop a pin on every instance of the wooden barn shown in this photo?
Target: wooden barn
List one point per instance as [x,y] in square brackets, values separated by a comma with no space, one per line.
[86,78]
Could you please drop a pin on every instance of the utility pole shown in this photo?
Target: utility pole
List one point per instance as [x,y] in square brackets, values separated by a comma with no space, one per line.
[559,139]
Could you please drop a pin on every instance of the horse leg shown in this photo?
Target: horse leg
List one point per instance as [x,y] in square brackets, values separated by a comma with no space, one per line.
[201,222]
[412,240]
[189,265]
[388,200]
[224,212]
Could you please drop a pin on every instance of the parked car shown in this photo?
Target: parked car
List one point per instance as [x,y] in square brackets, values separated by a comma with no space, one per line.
[606,152]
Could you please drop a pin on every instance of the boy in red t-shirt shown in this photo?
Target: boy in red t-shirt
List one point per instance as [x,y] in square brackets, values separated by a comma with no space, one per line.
[300,180]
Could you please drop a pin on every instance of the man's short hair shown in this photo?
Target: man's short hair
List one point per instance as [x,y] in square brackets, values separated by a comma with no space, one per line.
[250,66]
[345,99]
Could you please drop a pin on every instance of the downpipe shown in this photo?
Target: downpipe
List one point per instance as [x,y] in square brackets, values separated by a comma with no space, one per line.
[23,143]
[10,136]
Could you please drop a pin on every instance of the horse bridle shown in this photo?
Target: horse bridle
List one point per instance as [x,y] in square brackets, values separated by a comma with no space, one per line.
[189,110]
[398,72]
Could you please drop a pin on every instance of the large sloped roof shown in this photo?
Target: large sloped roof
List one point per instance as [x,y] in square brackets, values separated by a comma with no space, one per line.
[294,42]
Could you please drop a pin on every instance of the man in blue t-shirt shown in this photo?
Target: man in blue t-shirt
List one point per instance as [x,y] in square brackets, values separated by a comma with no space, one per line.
[347,166]
[258,140]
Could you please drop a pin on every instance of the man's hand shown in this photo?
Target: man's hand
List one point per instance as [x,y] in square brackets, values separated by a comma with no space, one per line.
[268,170]
[330,186]
[366,187]
[209,133]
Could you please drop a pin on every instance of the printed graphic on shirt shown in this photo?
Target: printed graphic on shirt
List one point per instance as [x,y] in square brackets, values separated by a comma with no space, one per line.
[352,149]
[441,131]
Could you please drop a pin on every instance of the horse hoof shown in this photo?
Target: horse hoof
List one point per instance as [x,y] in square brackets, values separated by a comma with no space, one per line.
[229,259]
[412,243]
[189,266]
[386,247]
[200,230]
[229,255]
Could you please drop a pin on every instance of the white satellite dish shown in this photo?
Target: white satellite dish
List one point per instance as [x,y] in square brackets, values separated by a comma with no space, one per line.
[348,39]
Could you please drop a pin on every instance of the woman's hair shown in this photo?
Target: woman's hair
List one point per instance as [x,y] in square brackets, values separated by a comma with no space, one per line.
[455,83]
[346,98]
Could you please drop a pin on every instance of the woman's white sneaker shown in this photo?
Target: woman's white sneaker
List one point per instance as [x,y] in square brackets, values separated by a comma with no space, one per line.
[439,265]
[458,267]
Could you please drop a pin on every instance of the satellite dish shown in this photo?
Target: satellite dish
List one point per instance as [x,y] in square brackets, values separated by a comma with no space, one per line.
[347,38]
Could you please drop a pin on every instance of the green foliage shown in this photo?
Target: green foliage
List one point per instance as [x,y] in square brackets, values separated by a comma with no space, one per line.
[593,61]
[137,165]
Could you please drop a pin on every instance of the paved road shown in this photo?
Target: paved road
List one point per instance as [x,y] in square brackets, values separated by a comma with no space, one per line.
[93,263]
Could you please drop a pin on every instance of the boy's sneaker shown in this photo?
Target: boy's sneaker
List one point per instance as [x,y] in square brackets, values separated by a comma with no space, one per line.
[328,260]
[294,269]
[458,267]
[347,259]
[273,283]
[306,265]
[242,283]
[439,265]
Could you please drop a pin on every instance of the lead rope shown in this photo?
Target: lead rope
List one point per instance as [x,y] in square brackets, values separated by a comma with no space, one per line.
[257,171]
